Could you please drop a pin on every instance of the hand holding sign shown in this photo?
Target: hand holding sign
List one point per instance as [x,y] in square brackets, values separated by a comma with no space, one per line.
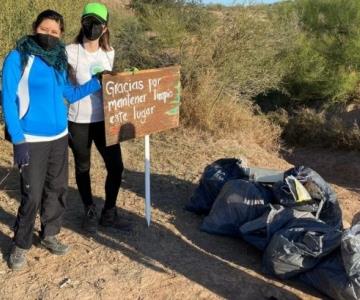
[100,74]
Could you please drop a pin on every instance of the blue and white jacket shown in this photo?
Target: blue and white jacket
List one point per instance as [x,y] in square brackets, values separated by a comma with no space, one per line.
[33,98]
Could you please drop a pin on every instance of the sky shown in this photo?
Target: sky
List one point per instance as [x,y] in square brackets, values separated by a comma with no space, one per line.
[229,2]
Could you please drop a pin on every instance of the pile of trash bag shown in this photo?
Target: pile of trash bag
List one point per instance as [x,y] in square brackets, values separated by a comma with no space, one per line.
[293,217]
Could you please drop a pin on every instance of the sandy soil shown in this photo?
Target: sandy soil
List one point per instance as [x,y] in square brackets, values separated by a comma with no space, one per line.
[172,259]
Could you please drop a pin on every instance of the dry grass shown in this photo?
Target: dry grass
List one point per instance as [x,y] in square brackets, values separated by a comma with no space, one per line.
[310,127]
[223,115]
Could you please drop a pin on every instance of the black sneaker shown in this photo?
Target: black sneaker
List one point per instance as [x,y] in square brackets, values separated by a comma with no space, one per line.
[90,220]
[17,258]
[54,246]
[110,218]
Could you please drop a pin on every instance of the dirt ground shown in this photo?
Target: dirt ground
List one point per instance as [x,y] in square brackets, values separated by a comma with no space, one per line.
[172,259]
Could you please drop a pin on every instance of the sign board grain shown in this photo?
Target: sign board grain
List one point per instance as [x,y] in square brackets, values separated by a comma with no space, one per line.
[137,104]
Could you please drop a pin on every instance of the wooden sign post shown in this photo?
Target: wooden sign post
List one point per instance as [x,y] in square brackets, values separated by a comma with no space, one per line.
[137,104]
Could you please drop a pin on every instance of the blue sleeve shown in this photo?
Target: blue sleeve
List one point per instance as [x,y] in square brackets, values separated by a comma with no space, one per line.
[11,75]
[74,93]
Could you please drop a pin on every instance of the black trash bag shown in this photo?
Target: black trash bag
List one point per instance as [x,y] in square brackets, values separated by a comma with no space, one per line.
[299,247]
[329,277]
[260,231]
[324,205]
[338,276]
[350,250]
[211,183]
[239,201]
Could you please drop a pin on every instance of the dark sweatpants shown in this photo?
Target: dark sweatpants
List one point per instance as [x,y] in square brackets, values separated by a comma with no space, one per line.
[81,137]
[44,184]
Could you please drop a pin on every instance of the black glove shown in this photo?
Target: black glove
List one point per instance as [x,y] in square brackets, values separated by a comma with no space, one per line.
[21,154]
[99,75]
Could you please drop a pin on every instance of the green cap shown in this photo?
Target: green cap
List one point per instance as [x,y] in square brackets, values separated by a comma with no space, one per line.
[97,10]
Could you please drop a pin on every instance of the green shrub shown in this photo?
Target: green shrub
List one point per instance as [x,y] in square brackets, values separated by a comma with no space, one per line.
[326,63]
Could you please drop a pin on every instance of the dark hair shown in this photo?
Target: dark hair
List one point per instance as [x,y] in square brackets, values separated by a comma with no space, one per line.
[104,41]
[52,15]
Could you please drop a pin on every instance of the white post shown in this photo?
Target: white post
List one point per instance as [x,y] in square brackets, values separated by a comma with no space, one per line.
[147,180]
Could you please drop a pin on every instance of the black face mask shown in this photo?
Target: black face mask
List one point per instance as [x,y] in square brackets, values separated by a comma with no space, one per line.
[46,41]
[92,30]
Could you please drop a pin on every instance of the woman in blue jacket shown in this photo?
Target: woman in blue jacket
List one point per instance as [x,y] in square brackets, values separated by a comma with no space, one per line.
[35,84]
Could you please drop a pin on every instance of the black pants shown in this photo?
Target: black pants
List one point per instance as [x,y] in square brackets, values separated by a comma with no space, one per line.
[81,138]
[44,185]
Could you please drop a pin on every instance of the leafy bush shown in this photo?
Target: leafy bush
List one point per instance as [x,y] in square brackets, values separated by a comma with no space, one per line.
[326,63]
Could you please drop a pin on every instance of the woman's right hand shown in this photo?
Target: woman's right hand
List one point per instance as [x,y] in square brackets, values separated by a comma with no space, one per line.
[21,154]
[100,75]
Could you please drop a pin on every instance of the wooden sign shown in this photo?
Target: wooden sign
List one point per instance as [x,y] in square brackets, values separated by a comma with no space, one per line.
[137,104]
